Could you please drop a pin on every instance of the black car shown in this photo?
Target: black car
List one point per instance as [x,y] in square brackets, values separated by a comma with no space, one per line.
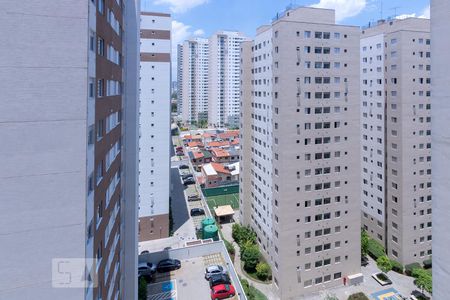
[183,167]
[184,177]
[364,261]
[189,181]
[167,265]
[197,212]
[194,198]
[219,279]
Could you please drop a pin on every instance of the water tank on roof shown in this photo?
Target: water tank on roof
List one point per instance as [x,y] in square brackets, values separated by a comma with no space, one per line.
[207,221]
[211,232]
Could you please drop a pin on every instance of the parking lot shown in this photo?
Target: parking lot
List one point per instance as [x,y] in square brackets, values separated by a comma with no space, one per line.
[186,283]
[191,190]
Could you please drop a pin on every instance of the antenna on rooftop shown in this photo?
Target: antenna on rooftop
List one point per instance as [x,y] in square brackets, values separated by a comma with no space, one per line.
[381,9]
[395,10]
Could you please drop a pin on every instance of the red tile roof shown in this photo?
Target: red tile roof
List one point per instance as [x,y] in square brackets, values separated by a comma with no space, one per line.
[218,152]
[218,144]
[195,144]
[220,168]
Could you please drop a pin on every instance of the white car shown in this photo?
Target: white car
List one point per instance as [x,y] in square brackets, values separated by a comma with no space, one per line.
[214,269]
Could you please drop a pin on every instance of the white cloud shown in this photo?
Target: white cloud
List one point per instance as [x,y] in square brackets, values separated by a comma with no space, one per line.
[344,8]
[180,6]
[405,16]
[424,15]
[199,32]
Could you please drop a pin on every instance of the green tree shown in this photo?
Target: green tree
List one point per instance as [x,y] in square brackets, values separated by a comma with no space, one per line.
[250,256]
[364,243]
[423,279]
[384,263]
[331,297]
[142,290]
[262,270]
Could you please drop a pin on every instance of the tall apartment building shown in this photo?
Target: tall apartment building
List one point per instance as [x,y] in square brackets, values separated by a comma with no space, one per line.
[194,80]
[440,24]
[300,183]
[224,78]
[179,79]
[154,126]
[396,137]
[67,185]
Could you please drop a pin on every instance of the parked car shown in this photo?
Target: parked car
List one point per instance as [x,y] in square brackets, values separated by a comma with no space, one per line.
[183,167]
[222,291]
[217,279]
[214,269]
[364,261]
[179,148]
[167,265]
[197,212]
[193,198]
[179,153]
[189,181]
[146,269]
[186,176]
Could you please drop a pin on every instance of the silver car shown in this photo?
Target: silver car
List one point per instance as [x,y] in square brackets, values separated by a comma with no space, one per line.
[214,269]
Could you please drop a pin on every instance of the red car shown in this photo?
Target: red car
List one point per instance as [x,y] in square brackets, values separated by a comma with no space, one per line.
[222,291]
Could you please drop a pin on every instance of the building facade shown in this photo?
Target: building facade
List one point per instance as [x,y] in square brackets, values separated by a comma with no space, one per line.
[224,78]
[440,77]
[154,126]
[66,184]
[396,137]
[300,183]
[179,79]
[194,69]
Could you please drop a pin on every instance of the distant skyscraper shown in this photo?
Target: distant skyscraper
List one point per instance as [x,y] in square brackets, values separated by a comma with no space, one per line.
[396,137]
[68,126]
[179,79]
[440,112]
[154,129]
[300,181]
[194,71]
[224,78]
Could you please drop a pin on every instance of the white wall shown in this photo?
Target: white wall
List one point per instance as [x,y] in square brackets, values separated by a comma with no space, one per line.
[440,112]
[154,120]
[43,125]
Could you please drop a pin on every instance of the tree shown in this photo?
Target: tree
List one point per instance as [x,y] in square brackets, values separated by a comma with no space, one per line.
[250,256]
[142,290]
[423,279]
[262,270]
[331,297]
[384,263]
[364,242]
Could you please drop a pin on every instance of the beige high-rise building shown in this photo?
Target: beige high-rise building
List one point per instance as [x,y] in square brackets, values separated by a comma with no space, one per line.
[396,137]
[194,76]
[440,112]
[300,181]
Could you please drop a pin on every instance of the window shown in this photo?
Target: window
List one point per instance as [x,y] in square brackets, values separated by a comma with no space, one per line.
[307,34]
[100,87]
[101,6]
[100,46]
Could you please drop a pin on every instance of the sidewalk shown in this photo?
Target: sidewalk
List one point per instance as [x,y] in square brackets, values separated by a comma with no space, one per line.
[266,289]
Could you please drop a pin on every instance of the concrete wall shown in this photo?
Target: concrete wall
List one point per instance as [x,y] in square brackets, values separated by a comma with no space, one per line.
[440,112]
[43,129]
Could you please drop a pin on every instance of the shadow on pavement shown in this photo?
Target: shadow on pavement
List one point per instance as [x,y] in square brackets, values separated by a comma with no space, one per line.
[180,212]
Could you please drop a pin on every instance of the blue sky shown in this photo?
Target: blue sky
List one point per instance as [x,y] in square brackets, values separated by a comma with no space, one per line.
[203,17]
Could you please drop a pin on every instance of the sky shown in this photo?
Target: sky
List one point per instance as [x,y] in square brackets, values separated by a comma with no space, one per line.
[201,18]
